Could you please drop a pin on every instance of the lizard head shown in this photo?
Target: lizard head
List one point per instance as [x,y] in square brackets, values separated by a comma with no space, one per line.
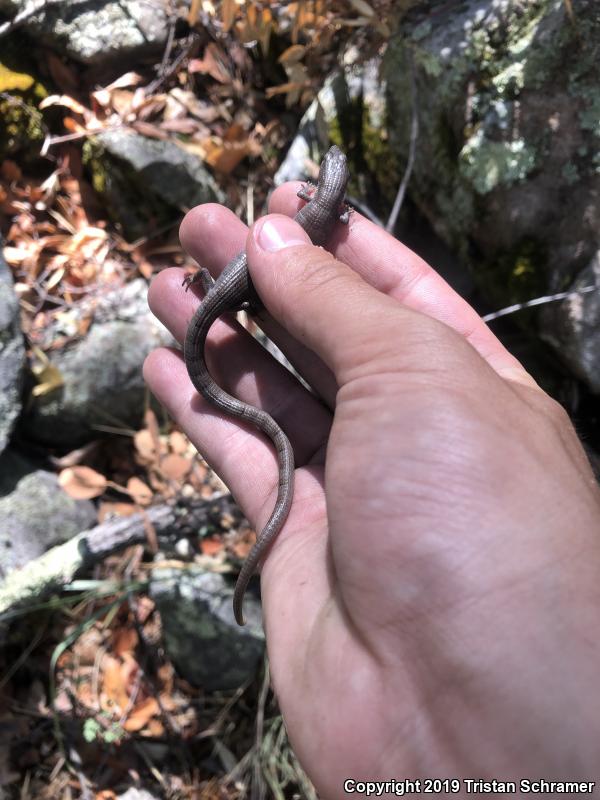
[334,167]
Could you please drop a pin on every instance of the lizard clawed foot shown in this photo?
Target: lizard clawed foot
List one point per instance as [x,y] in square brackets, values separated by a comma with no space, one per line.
[201,276]
[345,212]
[306,191]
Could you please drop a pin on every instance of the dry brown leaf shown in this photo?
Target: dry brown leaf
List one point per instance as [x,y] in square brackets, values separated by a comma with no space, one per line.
[125,640]
[155,728]
[178,443]
[211,545]
[10,170]
[244,544]
[56,277]
[142,714]
[229,12]
[149,130]
[121,100]
[175,467]
[225,156]
[212,63]
[64,100]
[117,679]
[139,491]
[73,126]
[186,126]
[82,483]
[194,12]
[128,79]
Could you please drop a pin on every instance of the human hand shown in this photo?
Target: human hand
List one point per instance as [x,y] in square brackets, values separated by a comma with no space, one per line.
[432,601]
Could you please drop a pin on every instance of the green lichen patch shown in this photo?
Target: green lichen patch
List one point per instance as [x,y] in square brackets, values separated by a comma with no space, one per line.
[487,164]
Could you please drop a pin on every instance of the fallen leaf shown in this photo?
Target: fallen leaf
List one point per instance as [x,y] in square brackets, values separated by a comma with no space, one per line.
[211,545]
[125,640]
[175,467]
[82,483]
[213,64]
[244,544]
[117,679]
[229,12]
[178,443]
[142,713]
[145,444]
[139,491]
[63,100]
[10,170]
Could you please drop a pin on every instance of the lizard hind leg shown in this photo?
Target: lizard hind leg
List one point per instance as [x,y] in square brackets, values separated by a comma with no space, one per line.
[345,212]
[201,276]
[306,191]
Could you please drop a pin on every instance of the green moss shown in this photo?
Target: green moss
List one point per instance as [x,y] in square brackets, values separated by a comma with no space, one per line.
[22,128]
[133,208]
[372,151]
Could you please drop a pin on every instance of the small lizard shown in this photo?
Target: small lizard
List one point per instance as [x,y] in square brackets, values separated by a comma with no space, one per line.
[232,291]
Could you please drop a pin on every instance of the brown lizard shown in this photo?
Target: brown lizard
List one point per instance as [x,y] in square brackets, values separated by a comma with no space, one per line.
[232,291]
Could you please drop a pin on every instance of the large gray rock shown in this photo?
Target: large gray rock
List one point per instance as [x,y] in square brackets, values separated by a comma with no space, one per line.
[573,328]
[147,184]
[35,513]
[101,373]
[507,167]
[208,648]
[12,356]
[94,31]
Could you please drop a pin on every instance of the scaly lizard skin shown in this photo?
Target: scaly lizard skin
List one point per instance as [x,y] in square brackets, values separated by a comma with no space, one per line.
[232,291]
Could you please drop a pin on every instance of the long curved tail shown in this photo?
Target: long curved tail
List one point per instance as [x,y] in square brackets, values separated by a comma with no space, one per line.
[194,344]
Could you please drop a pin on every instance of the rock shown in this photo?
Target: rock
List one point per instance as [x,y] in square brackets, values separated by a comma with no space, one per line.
[102,373]
[147,184]
[573,327]
[507,169]
[339,97]
[201,637]
[137,794]
[12,356]
[354,99]
[35,513]
[96,31]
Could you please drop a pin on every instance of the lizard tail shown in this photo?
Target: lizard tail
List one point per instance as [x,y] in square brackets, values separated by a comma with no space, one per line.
[209,389]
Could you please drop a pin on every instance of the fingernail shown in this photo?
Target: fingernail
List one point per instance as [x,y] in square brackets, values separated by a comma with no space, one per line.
[277,232]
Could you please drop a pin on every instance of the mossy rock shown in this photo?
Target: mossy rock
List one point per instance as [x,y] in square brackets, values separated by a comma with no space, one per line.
[146,184]
[21,91]
[507,168]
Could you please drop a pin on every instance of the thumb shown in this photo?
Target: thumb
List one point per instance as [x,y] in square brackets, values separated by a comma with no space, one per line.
[330,308]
